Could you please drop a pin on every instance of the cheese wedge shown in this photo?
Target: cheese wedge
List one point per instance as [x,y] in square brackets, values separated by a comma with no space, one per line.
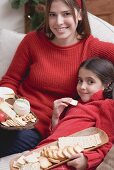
[7,110]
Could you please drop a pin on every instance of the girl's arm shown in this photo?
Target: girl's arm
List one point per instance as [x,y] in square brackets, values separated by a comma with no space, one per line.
[89,159]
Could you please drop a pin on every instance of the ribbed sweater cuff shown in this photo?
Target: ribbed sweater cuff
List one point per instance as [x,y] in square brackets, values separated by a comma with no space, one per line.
[93,158]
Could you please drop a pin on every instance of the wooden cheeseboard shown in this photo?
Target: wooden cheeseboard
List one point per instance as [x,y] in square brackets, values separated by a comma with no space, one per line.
[18,122]
[85,134]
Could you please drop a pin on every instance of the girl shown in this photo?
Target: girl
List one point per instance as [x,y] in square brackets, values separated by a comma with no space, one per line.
[94,74]
[95,85]
[45,65]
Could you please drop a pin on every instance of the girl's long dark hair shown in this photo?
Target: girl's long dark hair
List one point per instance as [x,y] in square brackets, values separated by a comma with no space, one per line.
[109,91]
[104,70]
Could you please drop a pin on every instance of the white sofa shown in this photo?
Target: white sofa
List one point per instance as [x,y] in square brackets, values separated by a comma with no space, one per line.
[9,41]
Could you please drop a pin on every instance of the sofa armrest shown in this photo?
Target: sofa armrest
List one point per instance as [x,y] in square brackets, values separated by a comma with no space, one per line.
[108,163]
[9,40]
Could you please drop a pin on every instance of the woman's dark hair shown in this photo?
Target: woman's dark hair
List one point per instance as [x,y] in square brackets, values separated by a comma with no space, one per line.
[104,70]
[83,28]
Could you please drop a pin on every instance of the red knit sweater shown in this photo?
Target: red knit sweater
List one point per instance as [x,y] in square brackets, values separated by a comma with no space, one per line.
[52,71]
[97,113]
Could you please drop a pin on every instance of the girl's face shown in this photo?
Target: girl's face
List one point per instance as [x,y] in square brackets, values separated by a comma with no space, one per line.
[88,84]
[62,24]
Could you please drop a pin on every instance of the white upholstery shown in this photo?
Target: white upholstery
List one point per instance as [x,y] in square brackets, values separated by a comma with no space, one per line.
[101,29]
[5,161]
[9,41]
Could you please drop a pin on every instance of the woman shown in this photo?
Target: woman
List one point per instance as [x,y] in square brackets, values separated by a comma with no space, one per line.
[45,65]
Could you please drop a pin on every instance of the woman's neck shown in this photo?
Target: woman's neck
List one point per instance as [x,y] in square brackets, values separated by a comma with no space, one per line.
[65,42]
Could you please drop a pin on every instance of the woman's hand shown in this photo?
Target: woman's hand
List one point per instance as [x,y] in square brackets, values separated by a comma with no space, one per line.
[79,162]
[59,106]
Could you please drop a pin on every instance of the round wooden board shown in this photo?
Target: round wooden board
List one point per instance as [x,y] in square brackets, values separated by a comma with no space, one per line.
[29,125]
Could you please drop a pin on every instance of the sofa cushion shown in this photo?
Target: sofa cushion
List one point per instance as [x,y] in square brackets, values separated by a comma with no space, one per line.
[101,29]
[9,41]
[108,163]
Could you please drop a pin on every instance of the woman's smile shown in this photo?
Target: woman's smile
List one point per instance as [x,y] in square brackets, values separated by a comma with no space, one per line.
[61,29]
[62,23]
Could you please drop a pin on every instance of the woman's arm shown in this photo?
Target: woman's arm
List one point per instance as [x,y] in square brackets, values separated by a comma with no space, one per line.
[100,48]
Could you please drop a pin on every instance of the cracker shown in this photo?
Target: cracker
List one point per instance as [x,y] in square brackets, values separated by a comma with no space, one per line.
[60,154]
[78,148]
[53,147]
[71,150]
[11,123]
[25,167]
[55,154]
[31,158]
[35,166]
[19,121]
[21,160]
[55,161]
[74,102]
[83,141]
[66,153]
[44,162]
[4,123]
[49,153]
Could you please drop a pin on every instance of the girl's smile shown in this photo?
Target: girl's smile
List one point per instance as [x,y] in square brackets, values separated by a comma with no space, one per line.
[88,84]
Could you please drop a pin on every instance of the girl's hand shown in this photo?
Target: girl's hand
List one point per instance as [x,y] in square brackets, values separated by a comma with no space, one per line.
[79,162]
[59,106]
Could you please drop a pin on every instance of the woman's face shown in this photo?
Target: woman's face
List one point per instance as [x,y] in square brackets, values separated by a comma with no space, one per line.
[88,84]
[62,24]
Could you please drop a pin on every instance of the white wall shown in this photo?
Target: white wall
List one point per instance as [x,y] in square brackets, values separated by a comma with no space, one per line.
[10,18]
